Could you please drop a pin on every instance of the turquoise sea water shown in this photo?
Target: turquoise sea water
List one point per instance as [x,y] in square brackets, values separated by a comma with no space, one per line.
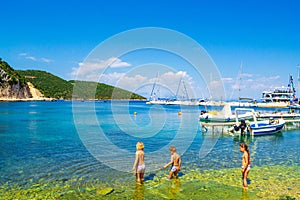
[46,140]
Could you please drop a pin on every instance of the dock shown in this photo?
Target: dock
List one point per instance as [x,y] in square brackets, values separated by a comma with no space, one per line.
[296,126]
[292,120]
[205,125]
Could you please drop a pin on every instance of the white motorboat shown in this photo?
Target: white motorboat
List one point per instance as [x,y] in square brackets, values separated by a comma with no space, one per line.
[265,127]
[225,115]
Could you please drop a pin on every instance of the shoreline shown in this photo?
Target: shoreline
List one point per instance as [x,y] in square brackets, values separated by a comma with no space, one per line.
[27,99]
[54,99]
[266,182]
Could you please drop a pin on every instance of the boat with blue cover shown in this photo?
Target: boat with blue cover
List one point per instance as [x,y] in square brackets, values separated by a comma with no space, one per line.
[265,127]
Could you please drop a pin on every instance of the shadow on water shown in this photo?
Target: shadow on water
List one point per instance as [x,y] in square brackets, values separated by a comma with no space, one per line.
[150,177]
[180,174]
[277,137]
[248,181]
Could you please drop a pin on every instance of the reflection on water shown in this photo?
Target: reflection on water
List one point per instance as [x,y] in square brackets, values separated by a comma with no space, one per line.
[174,188]
[262,146]
[139,192]
[244,194]
[274,138]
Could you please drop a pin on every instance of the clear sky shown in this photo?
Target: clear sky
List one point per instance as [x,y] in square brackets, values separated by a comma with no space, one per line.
[57,36]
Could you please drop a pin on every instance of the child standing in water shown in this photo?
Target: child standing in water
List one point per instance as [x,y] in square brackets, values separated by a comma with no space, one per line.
[175,162]
[139,164]
[245,163]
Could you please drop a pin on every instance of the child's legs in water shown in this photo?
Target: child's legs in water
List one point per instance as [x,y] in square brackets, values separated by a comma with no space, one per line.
[245,175]
[170,175]
[138,177]
[175,174]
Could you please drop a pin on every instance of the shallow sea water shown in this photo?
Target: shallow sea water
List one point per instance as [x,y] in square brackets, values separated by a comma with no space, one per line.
[54,150]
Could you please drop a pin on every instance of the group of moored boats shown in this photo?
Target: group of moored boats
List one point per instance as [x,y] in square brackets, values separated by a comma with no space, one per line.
[248,121]
[279,97]
[258,123]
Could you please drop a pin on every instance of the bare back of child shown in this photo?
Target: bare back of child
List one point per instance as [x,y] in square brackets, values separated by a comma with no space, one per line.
[175,162]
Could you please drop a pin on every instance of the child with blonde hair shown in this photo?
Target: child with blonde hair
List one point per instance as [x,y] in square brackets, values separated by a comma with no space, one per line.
[175,162]
[139,164]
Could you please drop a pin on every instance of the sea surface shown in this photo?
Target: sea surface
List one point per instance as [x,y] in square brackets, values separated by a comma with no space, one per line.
[95,142]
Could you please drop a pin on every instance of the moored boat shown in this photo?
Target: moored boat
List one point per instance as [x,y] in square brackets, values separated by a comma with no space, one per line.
[273,104]
[225,115]
[266,127]
[280,94]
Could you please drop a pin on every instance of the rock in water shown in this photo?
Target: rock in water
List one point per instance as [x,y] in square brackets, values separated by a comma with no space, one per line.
[105,191]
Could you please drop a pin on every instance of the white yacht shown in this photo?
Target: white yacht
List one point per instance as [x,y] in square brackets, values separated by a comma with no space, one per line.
[280,94]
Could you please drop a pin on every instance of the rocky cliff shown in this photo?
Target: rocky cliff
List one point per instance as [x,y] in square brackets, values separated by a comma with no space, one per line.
[12,85]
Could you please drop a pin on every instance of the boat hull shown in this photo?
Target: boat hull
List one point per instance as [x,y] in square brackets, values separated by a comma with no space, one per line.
[265,128]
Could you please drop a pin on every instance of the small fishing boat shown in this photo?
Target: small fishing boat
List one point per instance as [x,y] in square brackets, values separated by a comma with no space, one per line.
[265,127]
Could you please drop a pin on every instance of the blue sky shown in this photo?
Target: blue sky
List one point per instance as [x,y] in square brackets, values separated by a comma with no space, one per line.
[57,36]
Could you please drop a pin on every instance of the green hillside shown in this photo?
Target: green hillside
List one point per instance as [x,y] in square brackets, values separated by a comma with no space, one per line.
[50,85]
[90,90]
[55,87]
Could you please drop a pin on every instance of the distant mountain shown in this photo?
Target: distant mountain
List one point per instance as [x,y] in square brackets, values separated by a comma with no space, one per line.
[12,85]
[54,87]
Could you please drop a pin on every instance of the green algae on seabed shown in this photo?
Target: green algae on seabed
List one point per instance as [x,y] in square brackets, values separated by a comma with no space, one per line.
[268,182]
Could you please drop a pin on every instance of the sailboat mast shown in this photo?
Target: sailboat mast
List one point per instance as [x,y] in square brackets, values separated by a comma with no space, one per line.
[153,87]
[240,81]
[298,84]
[186,93]
[178,89]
